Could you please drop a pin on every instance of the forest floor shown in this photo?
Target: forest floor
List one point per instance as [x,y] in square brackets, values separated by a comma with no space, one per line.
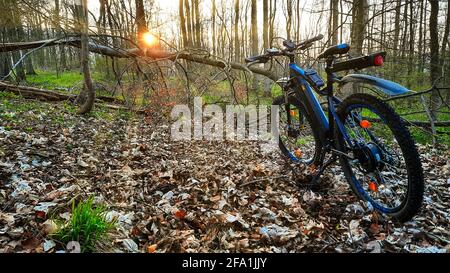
[188,196]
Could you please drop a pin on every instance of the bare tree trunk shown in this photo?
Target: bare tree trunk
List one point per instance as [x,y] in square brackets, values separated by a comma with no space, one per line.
[213,19]
[198,26]
[89,92]
[189,27]
[265,24]
[255,47]
[237,55]
[445,56]
[183,24]
[358,32]
[297,29]
[411,47]
[266,43]
[62,52]
[29,65]
[192,16]
[4,67]
[405,31]
[15,31]
[273,13]
[445,36]
[140,22]
[289,18]
[397,27]
[383,25]
[420,43]
[335,20]
[434,51]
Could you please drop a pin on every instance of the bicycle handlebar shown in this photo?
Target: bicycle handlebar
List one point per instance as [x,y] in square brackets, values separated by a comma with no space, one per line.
[289,48]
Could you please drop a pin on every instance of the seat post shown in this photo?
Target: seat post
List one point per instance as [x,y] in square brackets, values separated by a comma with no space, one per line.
[329,66]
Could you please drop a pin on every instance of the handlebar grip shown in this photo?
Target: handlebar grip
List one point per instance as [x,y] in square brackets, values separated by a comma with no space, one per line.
[314,39]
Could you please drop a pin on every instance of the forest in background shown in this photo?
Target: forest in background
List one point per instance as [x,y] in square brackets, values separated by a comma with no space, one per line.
[415,35]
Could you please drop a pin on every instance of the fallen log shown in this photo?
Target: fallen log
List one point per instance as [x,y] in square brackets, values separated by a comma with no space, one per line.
[49,95]
[156,54]
[29,92]
[33,92]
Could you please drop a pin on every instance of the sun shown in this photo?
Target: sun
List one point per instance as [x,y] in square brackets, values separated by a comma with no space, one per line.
[149,38]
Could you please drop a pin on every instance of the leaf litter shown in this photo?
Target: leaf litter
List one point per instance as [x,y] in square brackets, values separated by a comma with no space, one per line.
[197,196]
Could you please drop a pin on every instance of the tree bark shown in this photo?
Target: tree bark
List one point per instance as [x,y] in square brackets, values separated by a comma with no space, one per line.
[265,24]
[189,27]
[273,13]
[445,56]
[255,47]
[358,31]
[397,27]
[213,22]
[411,47]
[434,51]
[140,22]
[237,55]
[420,42]
[335,21]
[183,24]
[89,92]
[289,18]
[198,26]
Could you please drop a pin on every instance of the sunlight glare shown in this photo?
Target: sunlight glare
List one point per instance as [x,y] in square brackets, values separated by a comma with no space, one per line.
[149,39]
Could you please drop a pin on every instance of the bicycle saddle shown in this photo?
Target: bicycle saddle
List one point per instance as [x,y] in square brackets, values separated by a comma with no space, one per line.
[334,50]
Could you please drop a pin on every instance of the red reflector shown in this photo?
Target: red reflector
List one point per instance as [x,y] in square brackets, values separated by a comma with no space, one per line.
[378,60]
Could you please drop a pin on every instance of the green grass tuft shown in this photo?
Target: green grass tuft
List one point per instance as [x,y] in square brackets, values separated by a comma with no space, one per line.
[50,79]
[88,226]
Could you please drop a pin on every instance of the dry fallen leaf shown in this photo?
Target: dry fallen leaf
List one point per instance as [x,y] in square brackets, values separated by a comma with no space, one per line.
[49,226]
[40,214]
[215,198]
[375,228]
[152,248]
[180,214]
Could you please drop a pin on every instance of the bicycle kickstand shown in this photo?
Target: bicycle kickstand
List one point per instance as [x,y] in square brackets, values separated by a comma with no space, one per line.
[316,178]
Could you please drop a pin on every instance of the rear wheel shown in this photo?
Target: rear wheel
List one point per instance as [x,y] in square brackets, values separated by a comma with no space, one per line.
[384,168]
[297,139]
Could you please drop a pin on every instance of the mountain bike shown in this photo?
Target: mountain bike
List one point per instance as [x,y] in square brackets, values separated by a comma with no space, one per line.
[377,154]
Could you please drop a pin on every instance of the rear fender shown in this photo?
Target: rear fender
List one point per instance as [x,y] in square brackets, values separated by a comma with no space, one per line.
[387,87]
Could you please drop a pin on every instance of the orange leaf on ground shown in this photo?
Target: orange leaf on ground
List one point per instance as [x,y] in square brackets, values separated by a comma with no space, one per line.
[180,214]
[152,248]
[40,214]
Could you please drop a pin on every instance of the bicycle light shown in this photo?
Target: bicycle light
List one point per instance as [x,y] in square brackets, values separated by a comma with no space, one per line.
[378,61]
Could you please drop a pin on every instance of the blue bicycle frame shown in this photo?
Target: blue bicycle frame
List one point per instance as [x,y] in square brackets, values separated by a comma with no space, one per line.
[312,105]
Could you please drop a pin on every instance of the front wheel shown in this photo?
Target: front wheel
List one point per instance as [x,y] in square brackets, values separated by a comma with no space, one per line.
[383,166]
[298,139]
